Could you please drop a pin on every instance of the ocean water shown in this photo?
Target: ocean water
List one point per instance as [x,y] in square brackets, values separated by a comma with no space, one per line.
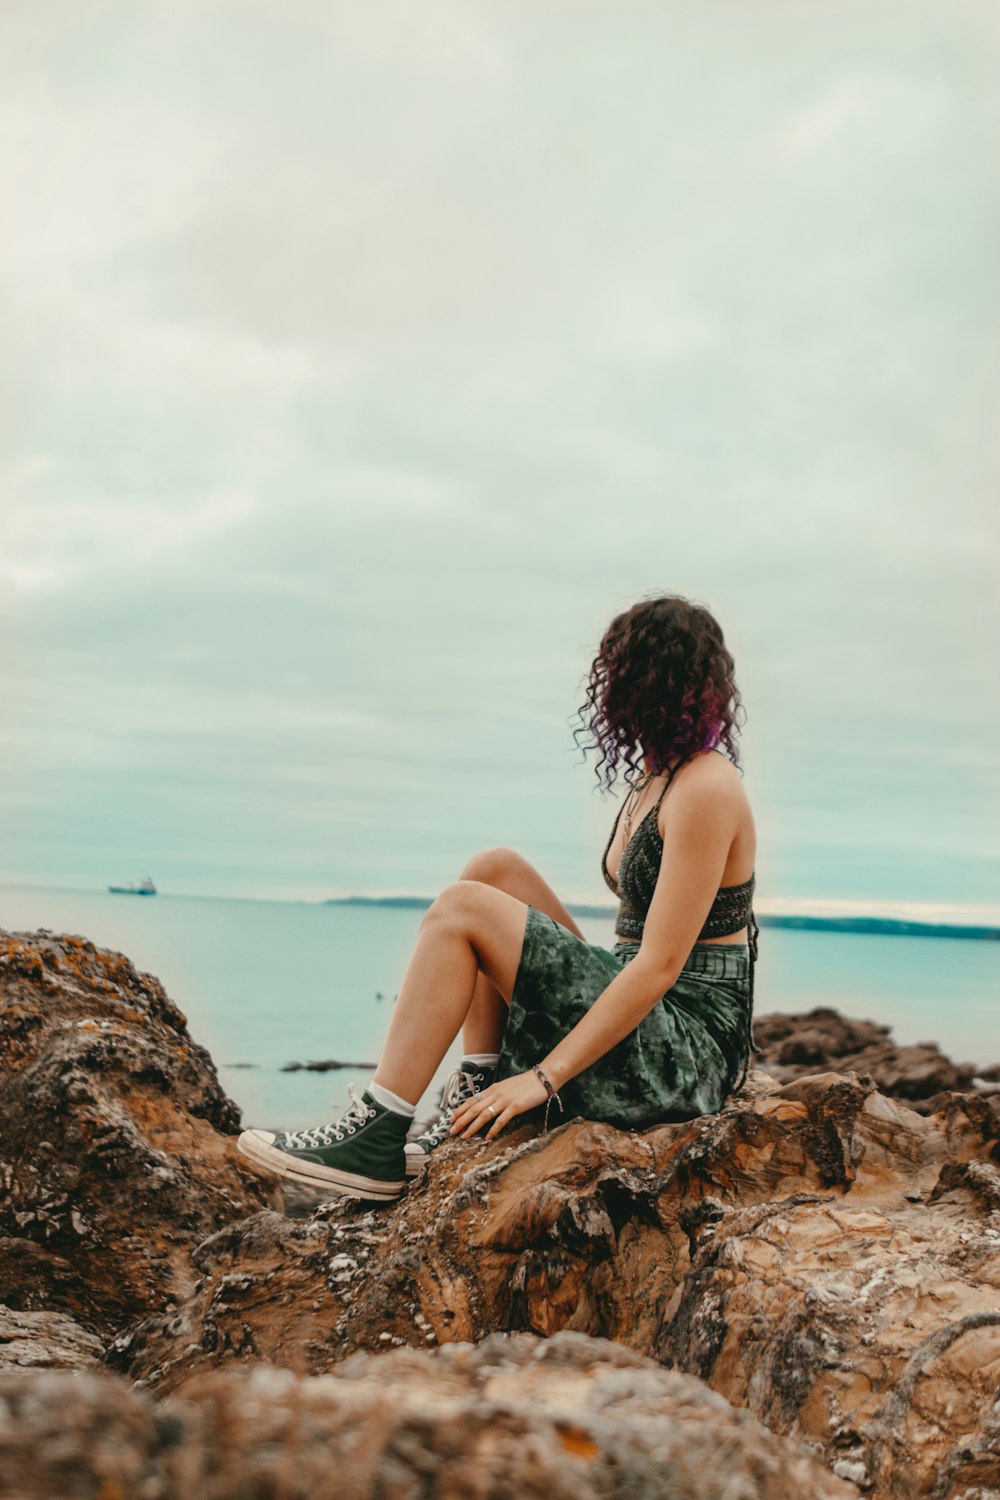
[265,983]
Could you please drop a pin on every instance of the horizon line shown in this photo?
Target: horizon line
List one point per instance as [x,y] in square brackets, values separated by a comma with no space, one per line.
[886,908]
[955,913]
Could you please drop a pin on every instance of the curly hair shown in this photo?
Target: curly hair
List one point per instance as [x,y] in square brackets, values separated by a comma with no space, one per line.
[661,684]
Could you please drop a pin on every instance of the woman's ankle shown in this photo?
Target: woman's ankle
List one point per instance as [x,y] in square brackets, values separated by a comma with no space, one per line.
[389,1100]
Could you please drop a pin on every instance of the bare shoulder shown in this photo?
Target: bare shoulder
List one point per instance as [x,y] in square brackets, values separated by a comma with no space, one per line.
[710,780]
[710,771]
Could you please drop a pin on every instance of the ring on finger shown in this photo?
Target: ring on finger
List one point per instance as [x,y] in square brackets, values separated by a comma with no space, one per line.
[491,1110]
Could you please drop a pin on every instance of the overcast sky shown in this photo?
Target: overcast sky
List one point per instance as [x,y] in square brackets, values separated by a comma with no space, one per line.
[362,360]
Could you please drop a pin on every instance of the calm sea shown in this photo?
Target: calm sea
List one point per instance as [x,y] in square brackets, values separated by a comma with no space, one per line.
[264,983]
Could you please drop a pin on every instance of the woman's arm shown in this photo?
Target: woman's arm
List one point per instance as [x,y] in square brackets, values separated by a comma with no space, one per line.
[704,819]
[702,825]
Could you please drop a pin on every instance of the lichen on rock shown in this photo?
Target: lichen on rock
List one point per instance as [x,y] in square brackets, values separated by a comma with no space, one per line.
[116,1149]
[817,1257]
[793,1252]
[568,1418]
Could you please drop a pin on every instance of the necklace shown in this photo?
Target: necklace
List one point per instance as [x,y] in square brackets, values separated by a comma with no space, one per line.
[638,789]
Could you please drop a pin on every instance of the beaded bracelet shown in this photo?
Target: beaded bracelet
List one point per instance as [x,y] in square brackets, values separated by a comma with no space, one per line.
[550,1092]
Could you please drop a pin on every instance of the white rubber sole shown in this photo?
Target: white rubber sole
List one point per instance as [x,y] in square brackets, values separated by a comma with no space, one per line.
[416,1160]
[256,1146]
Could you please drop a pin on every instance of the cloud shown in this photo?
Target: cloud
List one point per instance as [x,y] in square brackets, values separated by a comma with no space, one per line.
[363,362]
[848,104]
[47,543]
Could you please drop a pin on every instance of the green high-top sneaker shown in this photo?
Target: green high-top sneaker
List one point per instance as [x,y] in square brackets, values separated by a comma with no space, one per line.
[359,1155]
[466,1081]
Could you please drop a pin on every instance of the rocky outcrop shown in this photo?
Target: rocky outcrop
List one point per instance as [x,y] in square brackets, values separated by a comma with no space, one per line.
[821,1256]
[564,1419]
[810,1252]
[814,1040]
[45,1341]
[116,1143]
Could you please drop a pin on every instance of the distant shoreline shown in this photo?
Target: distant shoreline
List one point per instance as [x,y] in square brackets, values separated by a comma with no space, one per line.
[885,926]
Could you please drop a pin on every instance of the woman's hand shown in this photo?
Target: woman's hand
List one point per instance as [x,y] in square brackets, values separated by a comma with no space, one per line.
[498,1104]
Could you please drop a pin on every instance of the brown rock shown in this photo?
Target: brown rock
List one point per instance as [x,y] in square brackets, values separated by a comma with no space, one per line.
[796,1251]
[116,1150]
[39,1340]
[569,1418]
[819,1253]
[809,1041]
[82,1434]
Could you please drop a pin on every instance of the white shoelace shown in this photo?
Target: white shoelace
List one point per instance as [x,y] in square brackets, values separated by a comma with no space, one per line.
[325,1135]
[460,1086]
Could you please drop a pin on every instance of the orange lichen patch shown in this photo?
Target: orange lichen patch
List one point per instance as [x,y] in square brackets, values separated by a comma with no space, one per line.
[22,959]
[577,1442]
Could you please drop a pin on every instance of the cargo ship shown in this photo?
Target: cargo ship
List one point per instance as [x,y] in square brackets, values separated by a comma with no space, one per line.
[144,888]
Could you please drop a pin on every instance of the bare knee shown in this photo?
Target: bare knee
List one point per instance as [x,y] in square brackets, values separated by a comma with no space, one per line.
[494,866]
[455,904]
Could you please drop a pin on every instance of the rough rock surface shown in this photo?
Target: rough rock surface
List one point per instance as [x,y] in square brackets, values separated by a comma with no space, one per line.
[41,1340]
[568,1418]
[116,1143]
[816,1252]
[813,1040]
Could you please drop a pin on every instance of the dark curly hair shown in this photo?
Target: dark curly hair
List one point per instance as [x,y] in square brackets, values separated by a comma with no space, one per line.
[661,684]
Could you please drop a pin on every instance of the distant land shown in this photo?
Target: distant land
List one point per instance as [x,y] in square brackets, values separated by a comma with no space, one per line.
[420,903]
[897,926]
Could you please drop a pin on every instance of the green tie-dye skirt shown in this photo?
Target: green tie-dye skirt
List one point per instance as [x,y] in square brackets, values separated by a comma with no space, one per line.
[682,1060]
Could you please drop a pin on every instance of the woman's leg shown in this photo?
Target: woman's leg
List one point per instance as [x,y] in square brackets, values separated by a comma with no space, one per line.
[471,929]
[505,870]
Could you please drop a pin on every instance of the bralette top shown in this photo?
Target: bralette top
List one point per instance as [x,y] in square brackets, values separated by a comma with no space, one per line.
[731,911]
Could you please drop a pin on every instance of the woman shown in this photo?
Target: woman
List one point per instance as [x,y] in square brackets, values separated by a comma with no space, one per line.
[659,1027]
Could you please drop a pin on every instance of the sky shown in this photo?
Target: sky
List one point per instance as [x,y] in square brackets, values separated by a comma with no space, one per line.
[364,360]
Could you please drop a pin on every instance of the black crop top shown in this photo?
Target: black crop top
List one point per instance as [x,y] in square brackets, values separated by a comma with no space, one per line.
[731,910]
[638,869]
